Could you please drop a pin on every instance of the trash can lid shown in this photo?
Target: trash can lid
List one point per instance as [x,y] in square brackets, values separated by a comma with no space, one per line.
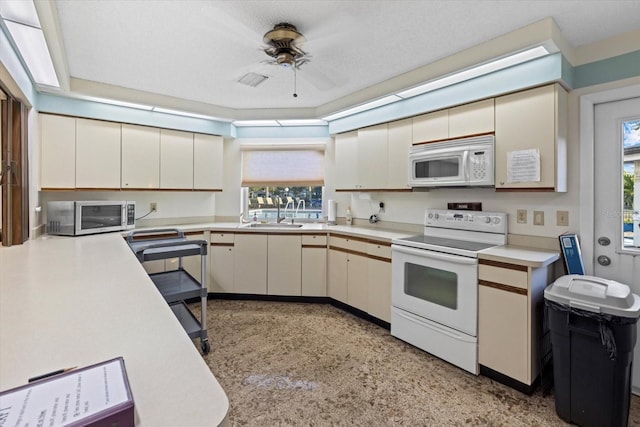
[594,294]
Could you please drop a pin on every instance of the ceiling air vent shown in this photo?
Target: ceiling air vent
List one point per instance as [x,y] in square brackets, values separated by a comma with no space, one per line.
[252,79]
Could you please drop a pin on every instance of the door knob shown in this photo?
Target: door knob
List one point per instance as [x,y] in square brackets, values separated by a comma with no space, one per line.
[604,260]
[604,241]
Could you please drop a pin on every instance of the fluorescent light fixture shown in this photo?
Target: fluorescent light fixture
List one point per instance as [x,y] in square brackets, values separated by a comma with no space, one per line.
[368,106]
[20,11]
[303,122]
[477,71]
[118,103]
[24,28]
[257,123]
[188,114]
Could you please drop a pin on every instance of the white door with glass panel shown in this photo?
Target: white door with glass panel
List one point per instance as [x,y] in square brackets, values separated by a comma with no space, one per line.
[616,246]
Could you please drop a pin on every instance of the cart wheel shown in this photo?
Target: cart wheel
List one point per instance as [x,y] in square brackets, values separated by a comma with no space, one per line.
[205,346]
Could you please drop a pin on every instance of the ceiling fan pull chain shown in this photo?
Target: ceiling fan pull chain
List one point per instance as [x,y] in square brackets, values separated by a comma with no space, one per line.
[295,83]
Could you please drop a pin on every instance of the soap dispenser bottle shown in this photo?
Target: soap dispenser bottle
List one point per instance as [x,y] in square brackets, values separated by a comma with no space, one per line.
[348,216]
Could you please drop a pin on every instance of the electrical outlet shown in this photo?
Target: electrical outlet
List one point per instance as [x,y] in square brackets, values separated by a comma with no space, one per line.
[154,207]
[522,216]
[381,205]
[562,218]
[538,217]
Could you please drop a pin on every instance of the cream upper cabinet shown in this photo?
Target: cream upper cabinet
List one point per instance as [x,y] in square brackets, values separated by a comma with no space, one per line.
[97,154]
[372,157]
[176,160]
[140,157]
[207,162]
[471,119]
[57,151]
[398,147]
[430,127]
[346,160]
[535,120]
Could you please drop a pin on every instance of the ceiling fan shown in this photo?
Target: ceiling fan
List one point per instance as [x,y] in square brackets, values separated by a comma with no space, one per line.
[284,46]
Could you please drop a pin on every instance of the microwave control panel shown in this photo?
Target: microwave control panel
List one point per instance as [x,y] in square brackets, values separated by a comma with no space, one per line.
[480,165]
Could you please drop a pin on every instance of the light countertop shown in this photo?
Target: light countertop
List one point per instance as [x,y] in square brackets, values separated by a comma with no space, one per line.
[77,301]
[520,255]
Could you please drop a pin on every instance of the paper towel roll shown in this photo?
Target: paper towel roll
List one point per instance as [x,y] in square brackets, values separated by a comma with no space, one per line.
[331,212]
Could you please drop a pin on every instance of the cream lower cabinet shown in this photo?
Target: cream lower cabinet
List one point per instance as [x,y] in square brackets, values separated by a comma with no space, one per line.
[284,264]
[314,265]
[337,272]
[250,263]
[360,274]
[379,280]
[509,304]
[221,256]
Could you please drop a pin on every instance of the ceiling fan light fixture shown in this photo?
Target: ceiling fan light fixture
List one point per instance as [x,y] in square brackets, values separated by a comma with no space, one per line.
[252,79]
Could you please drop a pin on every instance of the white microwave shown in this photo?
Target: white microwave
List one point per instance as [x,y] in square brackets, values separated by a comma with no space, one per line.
[89,217]
[462,162]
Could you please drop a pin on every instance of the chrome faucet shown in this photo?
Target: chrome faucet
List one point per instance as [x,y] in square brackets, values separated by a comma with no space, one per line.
[278,219]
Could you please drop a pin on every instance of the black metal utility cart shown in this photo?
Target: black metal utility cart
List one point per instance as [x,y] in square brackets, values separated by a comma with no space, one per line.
[178,285]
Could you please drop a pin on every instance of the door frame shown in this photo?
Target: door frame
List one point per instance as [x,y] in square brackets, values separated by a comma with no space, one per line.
[587,158]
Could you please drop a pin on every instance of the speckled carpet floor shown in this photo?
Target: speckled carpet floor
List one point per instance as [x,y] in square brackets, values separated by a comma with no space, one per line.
[291,364]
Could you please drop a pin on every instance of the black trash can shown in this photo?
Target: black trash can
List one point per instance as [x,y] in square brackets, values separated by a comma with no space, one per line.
[592,322]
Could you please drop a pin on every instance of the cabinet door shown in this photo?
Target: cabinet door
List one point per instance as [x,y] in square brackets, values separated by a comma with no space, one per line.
[284,263]
[57,151]
[97,154]
[357,282]
[503,332]
[471,119]
[346,161]
[176,159]
[379,280]
[430,127]
[337,276]
[250,264]
[398,147]
[527,120]
[140,157]
[221,272]
[314,272]
[207,162]
[372,157]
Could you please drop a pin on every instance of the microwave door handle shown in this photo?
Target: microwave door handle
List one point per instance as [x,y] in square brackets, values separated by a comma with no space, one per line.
[123,218]
[465,162]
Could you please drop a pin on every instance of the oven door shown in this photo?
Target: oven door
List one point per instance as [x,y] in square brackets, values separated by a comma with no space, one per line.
[440,287]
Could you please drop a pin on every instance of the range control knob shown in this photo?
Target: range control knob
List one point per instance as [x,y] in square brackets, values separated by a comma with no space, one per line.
[437,216]
[487,220]
[430,215]
[496,220]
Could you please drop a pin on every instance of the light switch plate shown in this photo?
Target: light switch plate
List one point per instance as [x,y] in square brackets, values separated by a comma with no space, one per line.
[522,216]
[562,218]
[538,217]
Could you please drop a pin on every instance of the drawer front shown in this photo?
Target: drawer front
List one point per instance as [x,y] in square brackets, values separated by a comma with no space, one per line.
[314,239]
[380,250]
[338,242]
[504,276]
[357,245]
[218,237]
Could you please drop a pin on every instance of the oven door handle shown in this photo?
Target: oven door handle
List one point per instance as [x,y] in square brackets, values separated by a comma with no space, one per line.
[425,253]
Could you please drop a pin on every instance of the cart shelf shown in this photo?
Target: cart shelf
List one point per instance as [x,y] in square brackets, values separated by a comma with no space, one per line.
[178,285]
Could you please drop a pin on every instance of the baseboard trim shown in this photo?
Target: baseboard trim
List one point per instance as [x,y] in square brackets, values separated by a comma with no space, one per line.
[294,298]
[508,381]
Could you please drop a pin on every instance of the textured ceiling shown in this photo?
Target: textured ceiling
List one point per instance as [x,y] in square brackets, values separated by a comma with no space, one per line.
[197,49]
